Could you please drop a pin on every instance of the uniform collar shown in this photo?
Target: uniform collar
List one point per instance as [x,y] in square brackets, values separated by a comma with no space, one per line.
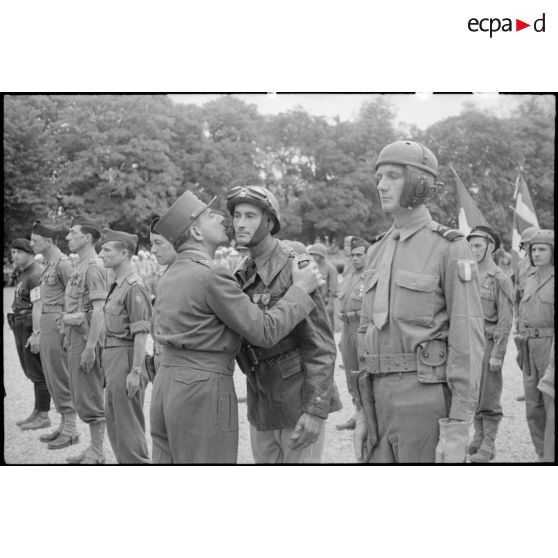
[120,280]
[190,253]
[268,264]
[411,221]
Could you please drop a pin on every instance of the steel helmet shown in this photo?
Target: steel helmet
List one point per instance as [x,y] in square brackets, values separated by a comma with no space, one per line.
[486,232]
[413,156]
[318,249]
[543,236]
[527,234]
[258,196]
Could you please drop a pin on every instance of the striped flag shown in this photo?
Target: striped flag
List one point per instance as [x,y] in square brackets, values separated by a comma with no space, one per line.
[469,215]
[524,213]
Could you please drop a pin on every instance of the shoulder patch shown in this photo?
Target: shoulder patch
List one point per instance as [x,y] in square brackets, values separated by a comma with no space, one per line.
[465,270]
[446,232]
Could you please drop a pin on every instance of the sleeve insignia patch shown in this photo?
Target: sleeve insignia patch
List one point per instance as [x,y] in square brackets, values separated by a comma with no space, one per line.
[465,270]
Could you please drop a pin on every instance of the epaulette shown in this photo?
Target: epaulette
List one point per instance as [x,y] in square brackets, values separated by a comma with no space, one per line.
[204,261]
[378,237]
[132,279]
[446,232]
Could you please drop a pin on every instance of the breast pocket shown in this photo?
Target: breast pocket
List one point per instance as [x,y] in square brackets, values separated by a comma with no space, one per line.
[369,294]
[114,322]
[415,297]
[488,300]
[50,280]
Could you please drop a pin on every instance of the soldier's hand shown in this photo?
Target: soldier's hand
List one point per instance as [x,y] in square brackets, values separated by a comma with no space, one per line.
[133,382]
[308,278]
[64,344]
[33,342]
[495,364]
[306,431]
[87,360]
[360,438]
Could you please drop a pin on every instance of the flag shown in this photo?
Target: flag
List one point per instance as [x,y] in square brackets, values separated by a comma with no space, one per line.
[524,214]
[469,215]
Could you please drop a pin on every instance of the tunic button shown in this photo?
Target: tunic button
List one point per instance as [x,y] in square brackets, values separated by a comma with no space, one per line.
[425,355]
[318,399]
[396,363]
[442,354]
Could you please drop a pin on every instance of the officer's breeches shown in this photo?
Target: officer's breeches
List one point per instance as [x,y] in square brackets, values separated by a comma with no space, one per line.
[31,364]
[87,389]
[407,413]
[194,416]
[125,419]
[489,405]
[55,364]
[272,446]
[348,346]
[539,355]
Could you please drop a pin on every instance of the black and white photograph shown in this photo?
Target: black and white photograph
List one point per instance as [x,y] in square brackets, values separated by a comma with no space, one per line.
[251,278]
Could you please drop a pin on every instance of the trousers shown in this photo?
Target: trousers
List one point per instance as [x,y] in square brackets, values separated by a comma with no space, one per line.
[31,363]
[55,364]
[408,414]
[490,405]
[124,416]
[272,446]
[194,416]
[348,345]
[87,389]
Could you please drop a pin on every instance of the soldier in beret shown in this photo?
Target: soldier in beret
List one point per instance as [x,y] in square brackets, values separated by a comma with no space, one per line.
[350,301]
[84,298]
[200,316]
[53,356]
[25,324]
[127,325]
[497,305]
[165,254]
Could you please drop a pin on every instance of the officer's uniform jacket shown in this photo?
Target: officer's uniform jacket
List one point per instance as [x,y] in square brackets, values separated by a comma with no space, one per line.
[296,375]
[434,295]
[87,283]
[536,310]
[497,305]
[127,310]
[200,308]
[54,279]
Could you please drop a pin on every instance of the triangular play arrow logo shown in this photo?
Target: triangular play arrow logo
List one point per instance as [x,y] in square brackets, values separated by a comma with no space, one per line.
[519,25]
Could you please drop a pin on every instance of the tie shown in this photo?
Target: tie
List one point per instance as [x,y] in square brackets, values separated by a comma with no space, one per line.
[381,302]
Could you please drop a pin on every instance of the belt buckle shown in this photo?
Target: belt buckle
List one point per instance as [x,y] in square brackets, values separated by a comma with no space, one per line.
[536,332]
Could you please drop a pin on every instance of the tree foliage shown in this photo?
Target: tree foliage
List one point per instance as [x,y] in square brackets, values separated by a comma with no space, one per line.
[121,158]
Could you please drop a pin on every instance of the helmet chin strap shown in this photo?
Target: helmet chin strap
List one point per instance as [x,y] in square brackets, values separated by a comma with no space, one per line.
[264,228]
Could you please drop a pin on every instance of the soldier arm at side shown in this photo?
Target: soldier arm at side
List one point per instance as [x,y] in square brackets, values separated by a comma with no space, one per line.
[235,309]
[504,303]
[34,339]
[465,335]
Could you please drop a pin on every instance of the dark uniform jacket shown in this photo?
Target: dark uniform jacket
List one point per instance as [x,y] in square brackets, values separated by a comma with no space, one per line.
[29,280]
[296,375]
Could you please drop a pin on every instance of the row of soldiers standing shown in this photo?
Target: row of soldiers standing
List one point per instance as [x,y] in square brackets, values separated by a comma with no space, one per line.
[413,350]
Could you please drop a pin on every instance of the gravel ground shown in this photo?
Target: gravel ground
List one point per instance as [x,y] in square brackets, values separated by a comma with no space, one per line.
[23,447]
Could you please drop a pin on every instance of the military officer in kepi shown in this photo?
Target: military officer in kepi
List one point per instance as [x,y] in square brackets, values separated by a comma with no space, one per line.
[421,336]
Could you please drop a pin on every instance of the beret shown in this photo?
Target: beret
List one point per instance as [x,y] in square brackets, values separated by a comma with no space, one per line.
[22,244]
[47,231]
[82,220]
[357,242]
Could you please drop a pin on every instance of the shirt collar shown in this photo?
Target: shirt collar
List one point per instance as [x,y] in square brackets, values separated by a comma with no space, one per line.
[120,280]
[270,263]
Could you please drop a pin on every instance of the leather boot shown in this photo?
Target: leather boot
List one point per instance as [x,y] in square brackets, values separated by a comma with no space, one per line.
[55,433]
[77,459]
[41,420]
[95,454]
[28,419]
[487,450]
[69,434]
[477,438]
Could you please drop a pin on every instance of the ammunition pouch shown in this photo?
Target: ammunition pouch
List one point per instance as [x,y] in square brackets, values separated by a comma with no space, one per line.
[432,357]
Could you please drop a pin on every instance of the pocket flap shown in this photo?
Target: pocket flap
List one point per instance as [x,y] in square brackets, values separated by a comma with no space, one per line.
[433,353]
[192,376]
[416,281]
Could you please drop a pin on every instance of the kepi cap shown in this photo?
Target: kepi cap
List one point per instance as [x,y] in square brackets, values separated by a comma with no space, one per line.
[181,214]
[486,232]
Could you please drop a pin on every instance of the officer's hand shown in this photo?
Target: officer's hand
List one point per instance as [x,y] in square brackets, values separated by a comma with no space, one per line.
[308,278]
[495,364]
[360,438]
[87,360]
[306,431]
[64,344]
[33,343]
[133,382]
